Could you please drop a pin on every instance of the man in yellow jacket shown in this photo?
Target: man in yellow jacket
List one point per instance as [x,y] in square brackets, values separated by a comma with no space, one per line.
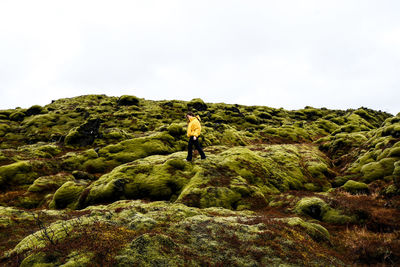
[193,132]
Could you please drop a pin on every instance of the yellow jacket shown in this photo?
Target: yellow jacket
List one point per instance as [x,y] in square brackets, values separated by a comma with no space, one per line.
[194,127]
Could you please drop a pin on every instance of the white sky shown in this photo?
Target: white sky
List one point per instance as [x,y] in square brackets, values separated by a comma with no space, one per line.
[290,54]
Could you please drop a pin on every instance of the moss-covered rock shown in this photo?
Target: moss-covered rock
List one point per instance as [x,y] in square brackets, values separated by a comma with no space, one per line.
[238,178]
[176,129]
[17,116]
[396,174]
[128,100]
[17,173]
[320,210]
[258,158]
[355,187]
[313,206]
[40,150]
[3,129]
[150,250]
[50,183]
[315,230]
[67,195]
[214,236]
[85,134]
[155,177]
[132,149]
[197,104]
[34,110]
[115,134]
[341,143]
[285,134]
[80,161]
[378,170]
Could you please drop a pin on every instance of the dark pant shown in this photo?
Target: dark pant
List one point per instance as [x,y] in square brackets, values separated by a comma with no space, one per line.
[197,146]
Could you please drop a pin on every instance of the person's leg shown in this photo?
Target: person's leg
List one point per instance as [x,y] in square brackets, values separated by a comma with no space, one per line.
[198,147]
[190,149]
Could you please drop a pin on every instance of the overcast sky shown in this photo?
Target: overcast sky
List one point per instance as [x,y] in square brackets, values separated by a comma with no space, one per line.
[290,54]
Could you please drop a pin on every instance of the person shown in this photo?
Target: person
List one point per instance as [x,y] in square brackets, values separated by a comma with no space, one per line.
[193,132]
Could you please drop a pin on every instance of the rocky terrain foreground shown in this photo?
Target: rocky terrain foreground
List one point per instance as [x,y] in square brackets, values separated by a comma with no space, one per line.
[103,181]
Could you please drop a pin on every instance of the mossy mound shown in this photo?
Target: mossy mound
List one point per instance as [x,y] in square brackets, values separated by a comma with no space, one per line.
[155,177]
[281,164]
[320,210]
[4,129]
[341,143]
[379,154]
[50,183]
[17,173]
[177,235]
[85,134]
[34,110]
[238,178]
[128,100]
[67,195]
[396,174]
[197,104]
[355,187]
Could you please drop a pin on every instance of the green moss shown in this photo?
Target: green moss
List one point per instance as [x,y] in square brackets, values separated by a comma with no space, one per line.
[115,134]
[128,100]
[355,187]
[396,174]
[177,163]
[317,169]
[34,110]
[67,195]
[392,130]
[336,217]
[316,231]
[50,183]
[176,129]
[17,116]
[320,210]
[150,250]
[378,170]
[40,150]
[341,143]
[129,150]
[78,258]
[292,133]
[312,206]
[252,119]
[218,197]
[81,175]
[311,187]
[232,136]
[391,191]
[328,126]
[4,129]
[81,160]
[17,173]
[196,104]
[50,149]
[155,177]
[38,260]
[162,233]
[394,152]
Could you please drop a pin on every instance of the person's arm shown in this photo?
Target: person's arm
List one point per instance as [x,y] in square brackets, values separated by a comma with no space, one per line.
[196,130]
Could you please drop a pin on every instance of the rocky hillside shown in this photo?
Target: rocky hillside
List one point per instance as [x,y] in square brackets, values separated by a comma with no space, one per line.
[103,181]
